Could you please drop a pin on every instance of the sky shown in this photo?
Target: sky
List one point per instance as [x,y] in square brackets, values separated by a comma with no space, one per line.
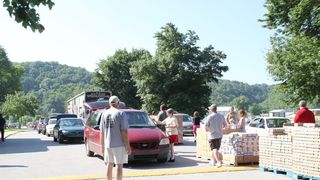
[81,33]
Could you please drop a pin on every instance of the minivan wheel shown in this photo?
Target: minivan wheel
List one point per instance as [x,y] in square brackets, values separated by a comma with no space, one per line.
[88,152]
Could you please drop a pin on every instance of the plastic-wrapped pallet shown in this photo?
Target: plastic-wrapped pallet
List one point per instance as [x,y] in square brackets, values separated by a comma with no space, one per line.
[240,148]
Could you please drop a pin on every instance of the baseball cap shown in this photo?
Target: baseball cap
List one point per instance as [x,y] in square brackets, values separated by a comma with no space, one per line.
[212,106]
[170,110]
[114,99]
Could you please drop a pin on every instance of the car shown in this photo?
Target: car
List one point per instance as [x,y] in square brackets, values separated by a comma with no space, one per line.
[186,123]
[40,125]
[50,126]
[147,141]
[44,125]
[260,125]
[68,128]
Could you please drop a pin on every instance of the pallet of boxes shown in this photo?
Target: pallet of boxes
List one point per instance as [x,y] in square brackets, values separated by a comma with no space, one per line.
[294,151]
[236,148]
[240,148]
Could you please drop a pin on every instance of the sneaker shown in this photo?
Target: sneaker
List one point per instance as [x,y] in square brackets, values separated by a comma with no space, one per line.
[171,160]
[219,164]
[212,163]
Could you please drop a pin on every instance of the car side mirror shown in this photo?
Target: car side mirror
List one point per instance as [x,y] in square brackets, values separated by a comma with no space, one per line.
[261,126]
[96,127]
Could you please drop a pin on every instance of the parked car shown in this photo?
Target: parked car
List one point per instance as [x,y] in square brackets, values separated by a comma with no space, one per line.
[43,126]
[147,141]
[40,125]
[50,126]
[260,125]
[186,123]
[68,128]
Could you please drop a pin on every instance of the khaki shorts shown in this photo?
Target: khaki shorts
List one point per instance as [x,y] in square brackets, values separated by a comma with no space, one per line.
[117,155]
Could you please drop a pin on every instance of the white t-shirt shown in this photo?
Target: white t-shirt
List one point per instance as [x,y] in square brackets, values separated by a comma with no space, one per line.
[215,124]
[171,121]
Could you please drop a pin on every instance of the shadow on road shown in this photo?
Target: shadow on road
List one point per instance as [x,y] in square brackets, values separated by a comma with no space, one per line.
[15,144]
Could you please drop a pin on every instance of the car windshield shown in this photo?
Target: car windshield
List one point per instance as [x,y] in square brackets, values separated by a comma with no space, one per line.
[276,123]
[187,118]
[139,119]
[71,122]
[52,121]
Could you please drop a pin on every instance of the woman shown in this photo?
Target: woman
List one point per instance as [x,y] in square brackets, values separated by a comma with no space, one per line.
[171,125]
[196,119]
[242,121]
[232,118]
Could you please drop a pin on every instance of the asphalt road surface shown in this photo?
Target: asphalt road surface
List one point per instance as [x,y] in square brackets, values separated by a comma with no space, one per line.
[29,155]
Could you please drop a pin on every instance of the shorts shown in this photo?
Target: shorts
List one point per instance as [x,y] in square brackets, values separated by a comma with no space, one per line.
[117,155]
[215,143]
[173,139]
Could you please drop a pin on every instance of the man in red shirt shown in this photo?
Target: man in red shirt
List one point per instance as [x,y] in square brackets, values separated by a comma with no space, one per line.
[304,115]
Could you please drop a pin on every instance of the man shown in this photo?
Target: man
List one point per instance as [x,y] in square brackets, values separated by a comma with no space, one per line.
[2,124]
[162,115]
[214,126]
[304,115]
[114,138]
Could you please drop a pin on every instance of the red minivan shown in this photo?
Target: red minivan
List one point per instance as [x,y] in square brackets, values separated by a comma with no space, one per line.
[147,141]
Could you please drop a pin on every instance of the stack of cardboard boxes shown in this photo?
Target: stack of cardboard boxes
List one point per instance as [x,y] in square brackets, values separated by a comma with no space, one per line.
[235,148]
[306,151]
[276,149]
[295,150]
[240,148]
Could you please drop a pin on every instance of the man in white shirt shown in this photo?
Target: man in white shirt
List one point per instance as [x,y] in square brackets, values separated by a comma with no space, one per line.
[214,126]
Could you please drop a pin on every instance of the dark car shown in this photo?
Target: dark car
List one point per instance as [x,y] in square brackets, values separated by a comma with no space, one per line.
[68,129]
[147,141]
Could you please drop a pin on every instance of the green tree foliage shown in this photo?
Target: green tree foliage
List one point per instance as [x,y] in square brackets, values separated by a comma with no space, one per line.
[113,74]
[225,91]
[294,17]
[241,102]
[179,72]
[24,11]
[10,75]
[19,104]
[276,100]
[294,62]
[53,84]
[255,109]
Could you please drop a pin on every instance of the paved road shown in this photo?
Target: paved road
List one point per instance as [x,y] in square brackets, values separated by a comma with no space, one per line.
[28,155]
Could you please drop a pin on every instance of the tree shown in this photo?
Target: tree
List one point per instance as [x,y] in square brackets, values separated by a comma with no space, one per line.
[294,57]
[241,102]
[9,76]
[179,72]
[293,17]
[294,62]
[24,12]
[113,74]
[255,109]
[19,104]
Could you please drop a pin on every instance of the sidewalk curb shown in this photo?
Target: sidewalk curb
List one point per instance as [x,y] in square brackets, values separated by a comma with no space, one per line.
[13,133]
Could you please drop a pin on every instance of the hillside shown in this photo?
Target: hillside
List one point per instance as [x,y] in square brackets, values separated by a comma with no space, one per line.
[54,83]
